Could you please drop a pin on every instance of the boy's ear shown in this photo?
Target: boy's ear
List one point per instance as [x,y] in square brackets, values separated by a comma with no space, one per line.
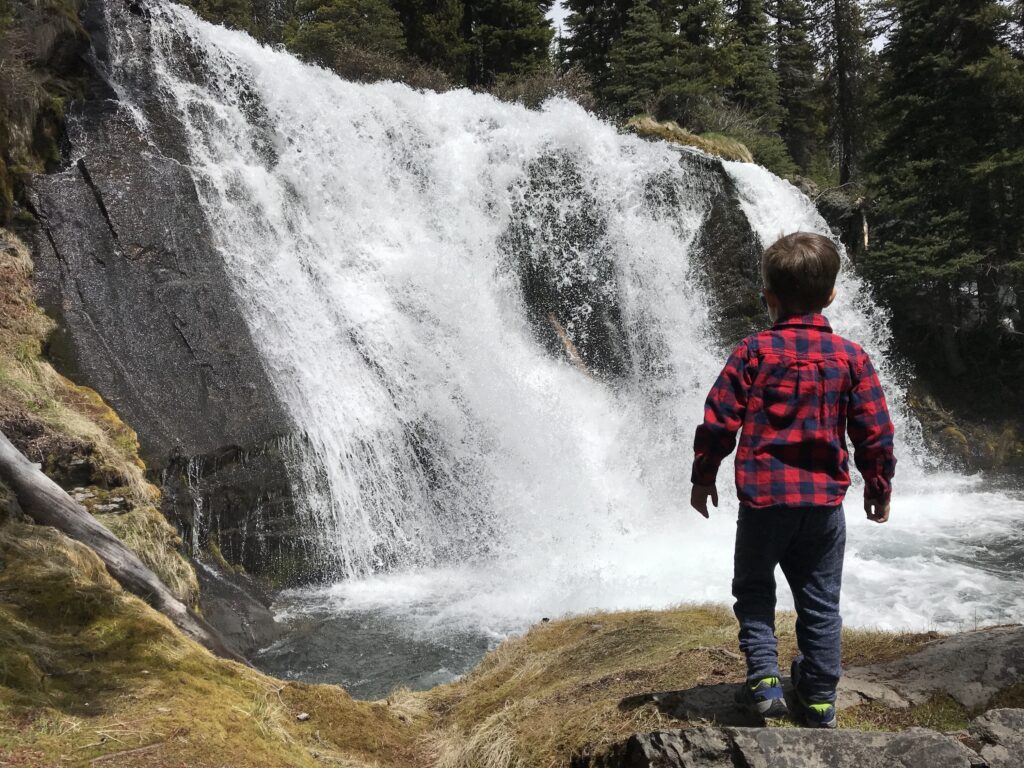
[831,298]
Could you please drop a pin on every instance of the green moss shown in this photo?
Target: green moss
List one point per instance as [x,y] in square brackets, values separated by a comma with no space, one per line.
[941,713]
[88,671]
[213,547]
[1011,697]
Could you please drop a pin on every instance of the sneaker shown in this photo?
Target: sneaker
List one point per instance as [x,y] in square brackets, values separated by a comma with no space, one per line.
[815,714]
[763,697]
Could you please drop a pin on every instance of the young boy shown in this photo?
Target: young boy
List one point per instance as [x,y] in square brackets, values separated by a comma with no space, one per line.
[793,391]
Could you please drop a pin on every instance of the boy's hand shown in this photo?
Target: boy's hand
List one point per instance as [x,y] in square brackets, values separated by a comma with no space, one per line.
[699,497]
[877,509]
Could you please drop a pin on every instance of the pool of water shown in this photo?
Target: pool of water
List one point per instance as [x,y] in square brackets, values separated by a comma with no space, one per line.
[951,559]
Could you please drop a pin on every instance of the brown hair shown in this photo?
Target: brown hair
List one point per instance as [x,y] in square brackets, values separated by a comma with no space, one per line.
[801,270]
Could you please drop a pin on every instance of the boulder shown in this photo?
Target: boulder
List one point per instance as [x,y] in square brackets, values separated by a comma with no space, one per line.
[126,262]
[1000,737]
[574,302]
[970,667]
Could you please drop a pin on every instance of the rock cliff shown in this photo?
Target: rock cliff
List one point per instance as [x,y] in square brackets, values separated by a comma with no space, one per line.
[126,262]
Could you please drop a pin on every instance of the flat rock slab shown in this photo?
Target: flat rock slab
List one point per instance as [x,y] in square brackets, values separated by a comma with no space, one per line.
[994,740]
[970,667]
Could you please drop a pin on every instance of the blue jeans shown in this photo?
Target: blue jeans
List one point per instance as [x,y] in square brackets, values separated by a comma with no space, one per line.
[809,544]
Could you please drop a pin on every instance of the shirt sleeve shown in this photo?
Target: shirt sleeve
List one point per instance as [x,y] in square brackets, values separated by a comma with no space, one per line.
[871,432]
[723,416]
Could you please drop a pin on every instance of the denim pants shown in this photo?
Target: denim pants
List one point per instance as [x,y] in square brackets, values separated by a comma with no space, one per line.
[808,543]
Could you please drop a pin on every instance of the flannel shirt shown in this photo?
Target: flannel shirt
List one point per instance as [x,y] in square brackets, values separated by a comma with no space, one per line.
[794,391]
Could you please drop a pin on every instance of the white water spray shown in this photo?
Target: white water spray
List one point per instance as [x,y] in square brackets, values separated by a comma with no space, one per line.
[456,473]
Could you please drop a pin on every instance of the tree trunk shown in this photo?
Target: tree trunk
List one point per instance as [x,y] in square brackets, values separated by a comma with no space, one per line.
[47,504]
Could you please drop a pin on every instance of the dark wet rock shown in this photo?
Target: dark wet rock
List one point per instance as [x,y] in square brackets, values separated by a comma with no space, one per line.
[559,244]
[730,262]
[125,261]
[238,607]
[242,501]
[970,444]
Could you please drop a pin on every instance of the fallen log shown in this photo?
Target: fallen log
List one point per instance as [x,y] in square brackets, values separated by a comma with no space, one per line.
[47,504]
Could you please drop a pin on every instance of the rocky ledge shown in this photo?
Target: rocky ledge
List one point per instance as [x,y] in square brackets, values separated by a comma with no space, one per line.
[993,740]
[966,673]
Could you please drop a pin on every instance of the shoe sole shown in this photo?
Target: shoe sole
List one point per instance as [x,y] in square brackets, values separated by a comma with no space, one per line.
[776,709]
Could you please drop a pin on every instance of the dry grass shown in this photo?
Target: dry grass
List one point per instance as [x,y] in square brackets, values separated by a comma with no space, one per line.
[147,533]
[712,143]
[91,675]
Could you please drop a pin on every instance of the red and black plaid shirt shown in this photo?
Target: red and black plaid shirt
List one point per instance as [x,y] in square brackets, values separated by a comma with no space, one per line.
[795,390]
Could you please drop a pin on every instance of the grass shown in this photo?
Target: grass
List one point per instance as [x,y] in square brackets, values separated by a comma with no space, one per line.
[91,673]
[712,143]
[146,531]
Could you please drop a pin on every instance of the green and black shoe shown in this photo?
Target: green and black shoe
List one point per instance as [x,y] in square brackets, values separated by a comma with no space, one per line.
[764,698]
[816,714]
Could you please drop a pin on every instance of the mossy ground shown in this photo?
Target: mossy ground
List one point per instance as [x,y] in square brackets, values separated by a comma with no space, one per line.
[91,675]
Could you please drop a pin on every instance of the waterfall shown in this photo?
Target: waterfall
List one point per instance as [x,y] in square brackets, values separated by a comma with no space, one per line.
[457,469]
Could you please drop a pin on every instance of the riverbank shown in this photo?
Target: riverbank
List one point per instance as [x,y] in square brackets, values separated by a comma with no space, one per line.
[90,675]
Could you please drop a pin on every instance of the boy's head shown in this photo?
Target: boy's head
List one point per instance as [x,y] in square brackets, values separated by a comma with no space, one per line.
[799,273]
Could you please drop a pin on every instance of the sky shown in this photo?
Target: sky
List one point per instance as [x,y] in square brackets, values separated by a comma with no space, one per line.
[557,15]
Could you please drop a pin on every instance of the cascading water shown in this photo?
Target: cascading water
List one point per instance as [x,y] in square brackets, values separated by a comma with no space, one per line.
[464,482]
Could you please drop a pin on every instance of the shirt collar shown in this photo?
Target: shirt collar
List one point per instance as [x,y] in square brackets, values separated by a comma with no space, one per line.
[811,320]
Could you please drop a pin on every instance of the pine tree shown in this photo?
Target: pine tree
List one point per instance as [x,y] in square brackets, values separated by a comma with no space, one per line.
[324,29]
[433,33]
[949,182]
[845,50]
[755,87]
[235,14]
[506,37]
[593,27]
[700,65]
[800,89]
[638,66]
